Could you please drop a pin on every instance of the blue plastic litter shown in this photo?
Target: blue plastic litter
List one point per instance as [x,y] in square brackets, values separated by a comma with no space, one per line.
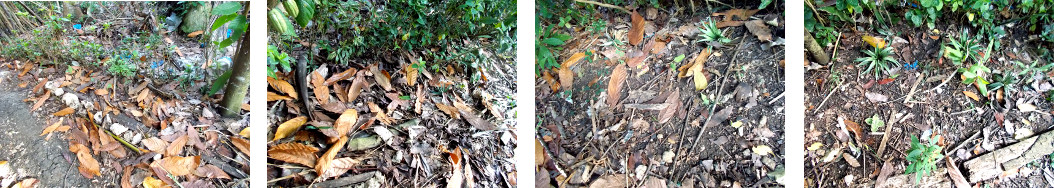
[156,64]
[228,33]
[911,66]
[77,26]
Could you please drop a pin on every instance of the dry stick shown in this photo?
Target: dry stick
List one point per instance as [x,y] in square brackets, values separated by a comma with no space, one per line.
[603,5]
[912,92]
[813,7]
[680,143]
[714,107]
[889,129]
[828,97]
[30,11]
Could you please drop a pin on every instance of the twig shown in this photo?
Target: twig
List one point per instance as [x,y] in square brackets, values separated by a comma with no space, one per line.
[119,139]
[827,97]
[889,129]
[777,98]
[603,5]
[916,86]
[815,13]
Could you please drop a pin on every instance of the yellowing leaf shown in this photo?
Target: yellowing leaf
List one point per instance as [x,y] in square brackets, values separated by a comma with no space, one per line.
[195,34]
[64,112]
[287,128]
[762,150]
[244,132]
[294,153]
[636,31]
[180,166]
[411,74]
[737,124]
[815,146]
[971,95]
[282,86]
[875,41]
[346,122]
[618,76]
[151,182]
[697,69]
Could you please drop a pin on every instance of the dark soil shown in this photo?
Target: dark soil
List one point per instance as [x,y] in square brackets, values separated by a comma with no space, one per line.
[944,110]
[585,140]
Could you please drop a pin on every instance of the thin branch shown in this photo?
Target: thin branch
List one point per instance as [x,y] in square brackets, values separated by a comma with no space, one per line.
[603,5]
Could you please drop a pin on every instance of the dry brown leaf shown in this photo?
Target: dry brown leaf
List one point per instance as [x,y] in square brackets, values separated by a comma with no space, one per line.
[340,76]
[195,34]
[325,163]
[346,122]
[854,128]
[212,171]
[26,183]
[155,144]
[51,128]
[411,74]
[126,177]
[759,29]
[151,182]
[611,181]
[729,15]
[636,58]
[636,31]
[64,112]
[176,147]
[321,91]
[241,144]
[972,95]
[339,166]
[282,86]
[448,110]
[271,96]
[335,107]
[696,71]
[615,84]
[673,102]
[553,84]
[180,166]
[564,72]
[382,77]
[40,102]
[470,116]
[356,87]
[88,165]
[956,176]
[287,128]
[380,114]
[294,153]
[143,95]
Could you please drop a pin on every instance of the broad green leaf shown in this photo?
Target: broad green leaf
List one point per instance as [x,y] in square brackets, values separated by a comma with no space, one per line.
[553,41]
[679,58]
[307,11]
[226,8]
[222,20]
[222,81]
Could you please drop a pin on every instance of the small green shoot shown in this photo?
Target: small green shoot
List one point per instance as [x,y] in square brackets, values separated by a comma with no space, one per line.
[922,158]
[875,122]
[710,33]
[878,60]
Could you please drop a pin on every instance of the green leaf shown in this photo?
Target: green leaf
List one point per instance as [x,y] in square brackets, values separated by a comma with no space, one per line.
[404,97]
[764,3]
[679,58]
[220,82]
[238,26]
[553,41]
[222,20]
[226,8]
[307,11]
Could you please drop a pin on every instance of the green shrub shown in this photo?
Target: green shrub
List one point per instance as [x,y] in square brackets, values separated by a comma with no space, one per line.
[922,157]
[710,33]
[878,60]
[121,66]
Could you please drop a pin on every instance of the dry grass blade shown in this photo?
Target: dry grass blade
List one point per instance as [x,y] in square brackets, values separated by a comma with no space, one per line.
[294,153]
[618,76]
[287,128]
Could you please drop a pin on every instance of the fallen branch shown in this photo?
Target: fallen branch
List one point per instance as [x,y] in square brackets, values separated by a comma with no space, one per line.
[119,139]
[603,5]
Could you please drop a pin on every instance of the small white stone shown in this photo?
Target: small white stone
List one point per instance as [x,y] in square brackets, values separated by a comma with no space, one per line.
[157,157]
[71,100]
[118,129]
[668,156]
[135,139]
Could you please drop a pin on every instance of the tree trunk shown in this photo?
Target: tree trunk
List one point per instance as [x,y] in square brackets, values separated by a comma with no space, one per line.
[238,84]
[814,48]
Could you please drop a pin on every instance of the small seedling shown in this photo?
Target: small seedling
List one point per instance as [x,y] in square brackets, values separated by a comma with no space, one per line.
[878,60]
[875,122]
[922,158]
[962,49]
[1032,69]
[710,33]
[975,74]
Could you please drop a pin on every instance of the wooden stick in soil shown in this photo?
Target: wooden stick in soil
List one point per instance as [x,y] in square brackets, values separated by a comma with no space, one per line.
[603,5]
[889,128]
[815,49]
[916,86]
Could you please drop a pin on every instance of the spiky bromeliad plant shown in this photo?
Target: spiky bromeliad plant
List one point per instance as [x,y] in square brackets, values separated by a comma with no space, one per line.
[878,60]
[710,33]
[922,157]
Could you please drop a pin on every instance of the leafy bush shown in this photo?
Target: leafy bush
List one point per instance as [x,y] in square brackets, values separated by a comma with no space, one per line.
[878,60]
[922,158]
[121,66]
[546,46]
[275,59]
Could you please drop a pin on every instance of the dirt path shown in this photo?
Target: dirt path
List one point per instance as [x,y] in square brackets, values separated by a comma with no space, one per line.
[29,155]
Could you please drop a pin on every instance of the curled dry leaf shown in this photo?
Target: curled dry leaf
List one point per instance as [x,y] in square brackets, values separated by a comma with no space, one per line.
[345,122]
[64,112]
[179,166]
[340,76]
[618,76]
[875,41]
[380,114]
[971,95]
[356,87]
[325,162]
[759,29]
[697,69]
[382,77]
[636,31]
[281,86]
[294,153]
[339,166]
[290,126]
